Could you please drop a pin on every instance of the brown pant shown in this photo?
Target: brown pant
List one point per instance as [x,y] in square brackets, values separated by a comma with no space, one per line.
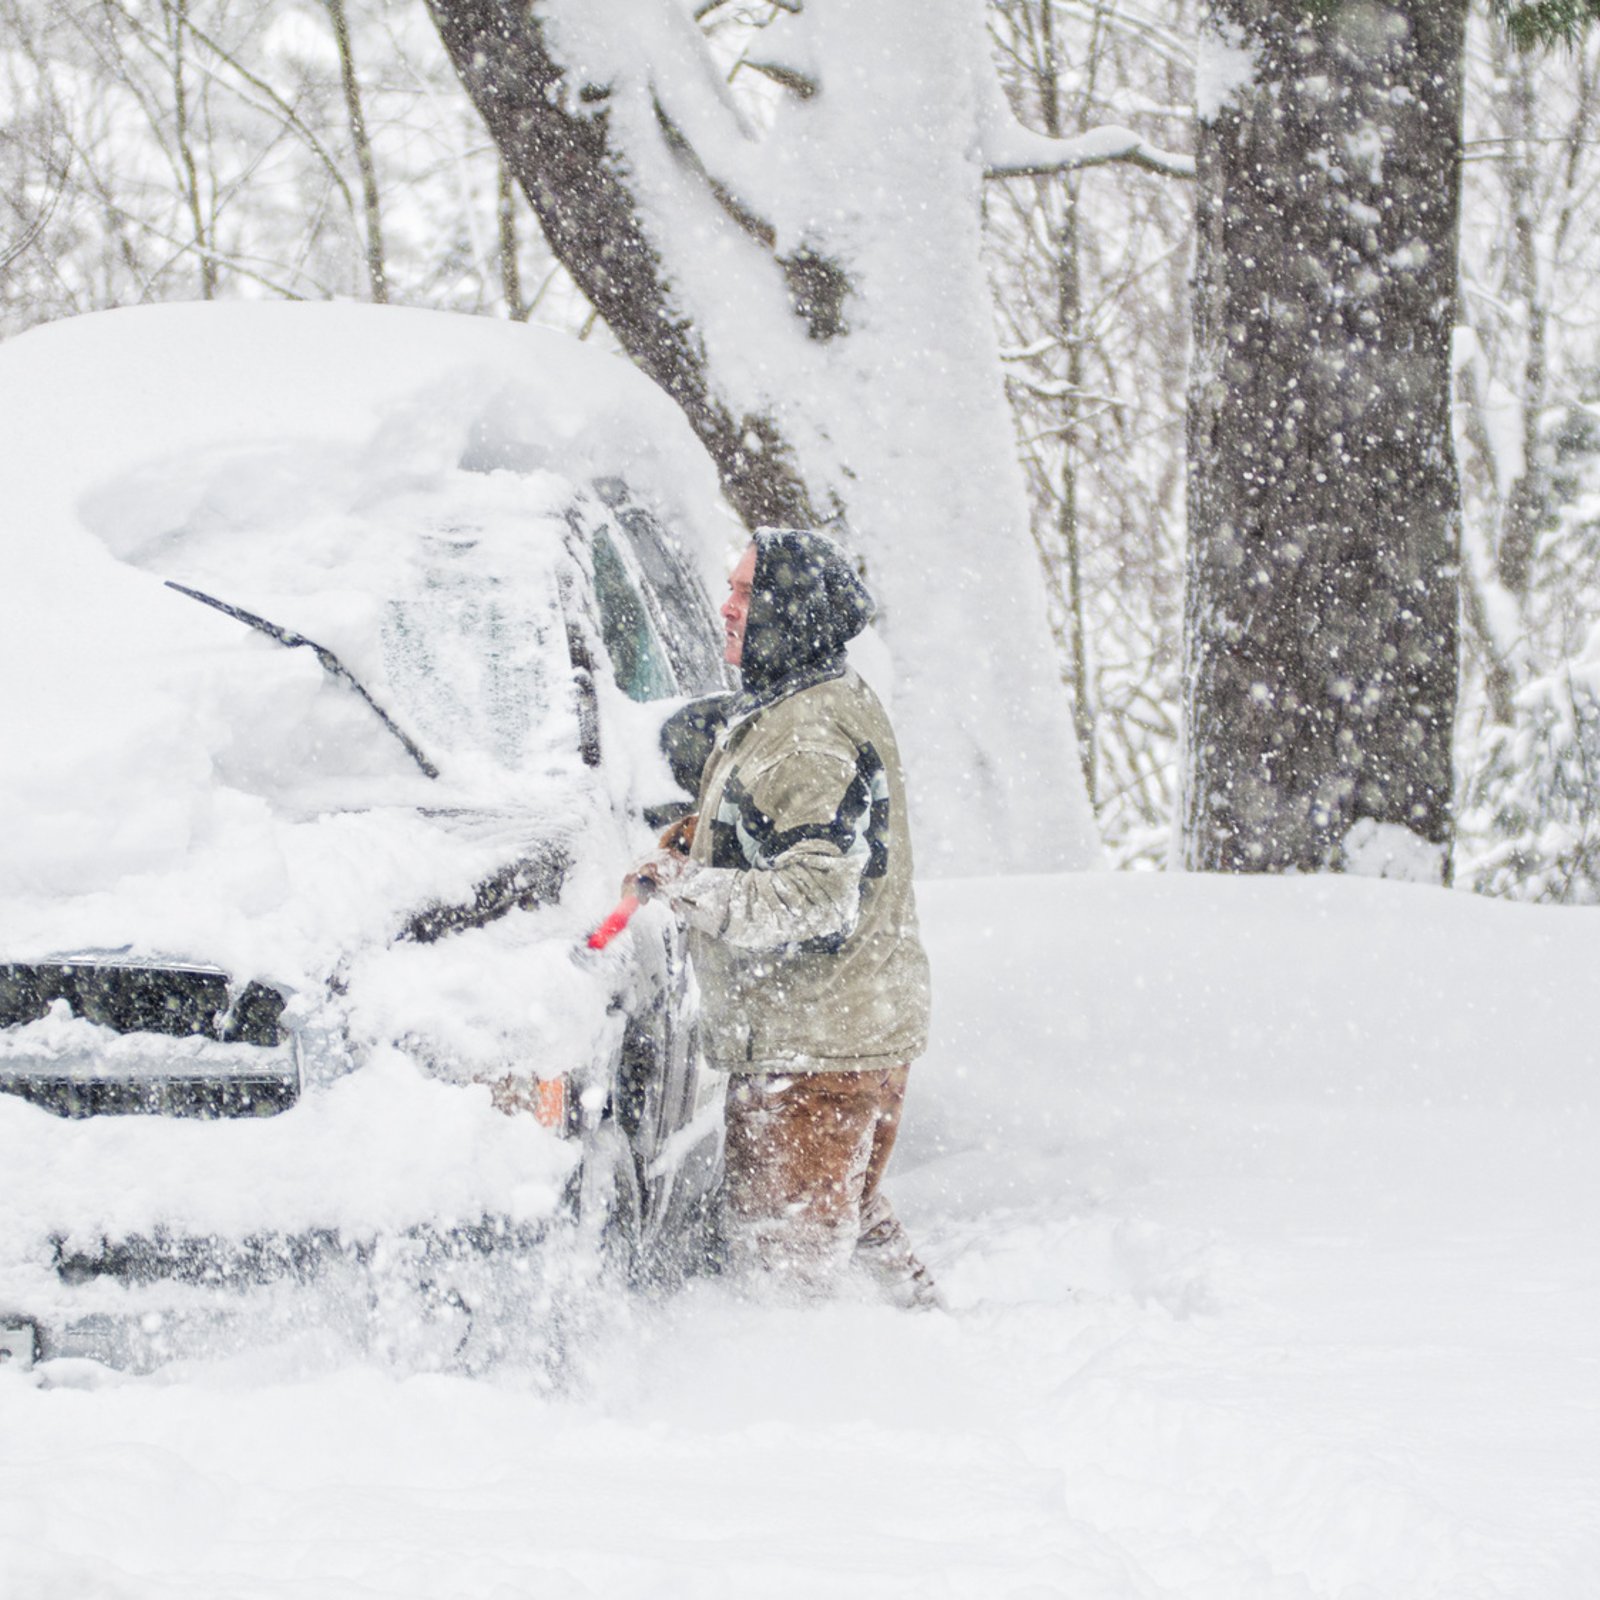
[805,1160]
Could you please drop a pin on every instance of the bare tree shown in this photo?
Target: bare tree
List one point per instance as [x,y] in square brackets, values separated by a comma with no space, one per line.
[35,178]
[213,147]
[1528,384]
[1091,286]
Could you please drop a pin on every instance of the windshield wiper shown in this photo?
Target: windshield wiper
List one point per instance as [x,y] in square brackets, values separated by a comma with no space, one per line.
[330,664]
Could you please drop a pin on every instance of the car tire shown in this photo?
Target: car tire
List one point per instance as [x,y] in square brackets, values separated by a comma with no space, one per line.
[610,1201]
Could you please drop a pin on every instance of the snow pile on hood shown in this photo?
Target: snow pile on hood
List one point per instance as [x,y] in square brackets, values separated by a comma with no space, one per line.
[401,488]
[177,782]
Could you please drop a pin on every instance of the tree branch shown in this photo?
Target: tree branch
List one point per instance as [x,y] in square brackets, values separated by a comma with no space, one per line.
[36,225]
[797,83]
[557,142]
[1546,22]
[290,116]
[1019,153]
[377,270]
[818,287]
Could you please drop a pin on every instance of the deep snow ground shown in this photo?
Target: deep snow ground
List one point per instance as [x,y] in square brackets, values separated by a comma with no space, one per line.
[1270,1217]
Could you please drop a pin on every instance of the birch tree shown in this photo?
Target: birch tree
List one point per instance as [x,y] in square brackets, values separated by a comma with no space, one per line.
[807,284]
[1528,426]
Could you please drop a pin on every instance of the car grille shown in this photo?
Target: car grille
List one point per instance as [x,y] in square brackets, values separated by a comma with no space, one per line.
[177,1041]
[211,1095]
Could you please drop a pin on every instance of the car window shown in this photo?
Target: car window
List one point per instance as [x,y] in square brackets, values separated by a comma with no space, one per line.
[683,615]
[637,658]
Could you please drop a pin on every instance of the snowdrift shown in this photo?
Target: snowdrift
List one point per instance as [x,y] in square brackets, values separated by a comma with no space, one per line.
[1268,1212]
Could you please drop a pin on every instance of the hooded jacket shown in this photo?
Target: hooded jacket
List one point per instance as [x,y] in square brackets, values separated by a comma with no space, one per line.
[803,925]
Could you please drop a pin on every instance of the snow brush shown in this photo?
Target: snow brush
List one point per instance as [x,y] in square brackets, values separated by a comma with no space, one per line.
[677,838]
[621,915]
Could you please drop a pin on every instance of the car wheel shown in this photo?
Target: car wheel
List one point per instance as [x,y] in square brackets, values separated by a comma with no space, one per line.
[610,1201]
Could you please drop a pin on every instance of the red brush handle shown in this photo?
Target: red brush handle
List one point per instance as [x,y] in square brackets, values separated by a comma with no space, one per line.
[615,923]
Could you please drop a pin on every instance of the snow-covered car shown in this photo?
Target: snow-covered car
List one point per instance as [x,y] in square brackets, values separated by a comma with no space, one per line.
[336,642]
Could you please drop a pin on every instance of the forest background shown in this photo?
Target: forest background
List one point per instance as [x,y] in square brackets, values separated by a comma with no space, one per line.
[312,149]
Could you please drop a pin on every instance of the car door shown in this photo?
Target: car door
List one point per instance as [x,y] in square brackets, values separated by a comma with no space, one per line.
[656,624]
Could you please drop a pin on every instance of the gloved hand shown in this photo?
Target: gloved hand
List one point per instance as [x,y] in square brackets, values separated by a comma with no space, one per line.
[656,873]
[678,836]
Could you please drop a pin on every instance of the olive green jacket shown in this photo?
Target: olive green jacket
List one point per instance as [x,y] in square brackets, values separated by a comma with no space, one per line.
[803,926]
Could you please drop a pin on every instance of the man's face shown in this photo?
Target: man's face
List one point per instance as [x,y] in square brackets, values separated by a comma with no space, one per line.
[736,608]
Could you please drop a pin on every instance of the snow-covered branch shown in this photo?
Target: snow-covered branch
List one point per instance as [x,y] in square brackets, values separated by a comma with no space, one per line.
[1016,152]
[787,77]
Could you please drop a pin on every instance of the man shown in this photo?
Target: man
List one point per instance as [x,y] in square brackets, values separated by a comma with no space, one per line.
[795,881]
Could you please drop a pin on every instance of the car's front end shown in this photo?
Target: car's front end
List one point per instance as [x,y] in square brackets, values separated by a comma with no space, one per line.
[297,873]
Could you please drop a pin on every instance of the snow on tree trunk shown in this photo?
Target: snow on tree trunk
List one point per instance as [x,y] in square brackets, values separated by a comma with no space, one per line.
[812,294]
[1321,608]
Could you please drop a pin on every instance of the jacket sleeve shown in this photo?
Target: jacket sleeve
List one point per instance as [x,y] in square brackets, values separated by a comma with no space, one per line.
[801,827]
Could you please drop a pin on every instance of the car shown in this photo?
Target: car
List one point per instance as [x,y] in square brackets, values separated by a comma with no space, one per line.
[339,641]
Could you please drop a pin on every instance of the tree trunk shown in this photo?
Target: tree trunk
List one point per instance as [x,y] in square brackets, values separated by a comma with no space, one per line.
[1069,319]
[377,268]
[204,243]
[1321,609]
[554,137]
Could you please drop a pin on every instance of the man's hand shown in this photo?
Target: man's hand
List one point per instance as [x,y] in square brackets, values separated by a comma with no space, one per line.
[652,875]
[658,871]
[679,836]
